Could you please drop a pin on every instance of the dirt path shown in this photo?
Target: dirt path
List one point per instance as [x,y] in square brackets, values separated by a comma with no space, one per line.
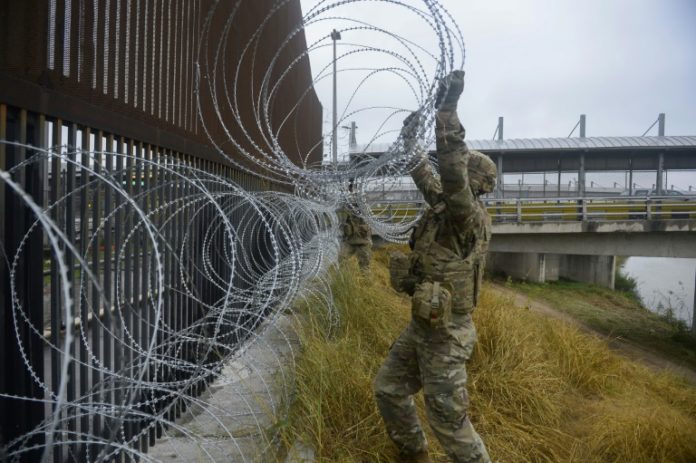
[652,360]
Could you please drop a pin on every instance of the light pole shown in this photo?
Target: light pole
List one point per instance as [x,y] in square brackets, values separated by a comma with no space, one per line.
[335,35]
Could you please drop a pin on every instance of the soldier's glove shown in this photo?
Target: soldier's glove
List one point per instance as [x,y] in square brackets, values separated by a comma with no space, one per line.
[408,131]
[410,118]
[451,87]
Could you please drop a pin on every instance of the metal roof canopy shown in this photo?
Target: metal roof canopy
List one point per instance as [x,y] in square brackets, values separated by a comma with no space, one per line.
[601,153]
[578,143]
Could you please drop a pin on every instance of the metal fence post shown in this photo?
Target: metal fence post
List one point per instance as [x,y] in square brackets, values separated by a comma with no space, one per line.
[4,289]
[18,417]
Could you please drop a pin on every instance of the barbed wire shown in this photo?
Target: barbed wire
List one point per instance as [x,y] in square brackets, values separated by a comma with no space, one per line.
[228,260]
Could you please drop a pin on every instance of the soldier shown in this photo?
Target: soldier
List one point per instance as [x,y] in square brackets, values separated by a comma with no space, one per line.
[445,273]
[357,237]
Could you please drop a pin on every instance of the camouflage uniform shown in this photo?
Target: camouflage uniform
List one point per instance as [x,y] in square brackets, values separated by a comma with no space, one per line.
[357,239]
[449,246]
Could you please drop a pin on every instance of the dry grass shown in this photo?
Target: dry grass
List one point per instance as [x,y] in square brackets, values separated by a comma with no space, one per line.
[540,390]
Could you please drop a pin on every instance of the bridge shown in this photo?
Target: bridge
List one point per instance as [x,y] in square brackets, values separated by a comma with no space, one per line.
[574,231]
[544,239]
[541,240]
[650,227]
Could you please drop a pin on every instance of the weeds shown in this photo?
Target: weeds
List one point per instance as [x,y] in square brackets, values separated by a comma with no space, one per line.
[540,390]
[626,284]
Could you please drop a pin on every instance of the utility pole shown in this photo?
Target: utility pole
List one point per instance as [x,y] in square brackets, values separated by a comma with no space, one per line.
[499,129]
[335,35]
[582,124]
[661,125]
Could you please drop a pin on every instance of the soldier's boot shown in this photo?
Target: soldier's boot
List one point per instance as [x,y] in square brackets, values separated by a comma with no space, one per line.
[420,457]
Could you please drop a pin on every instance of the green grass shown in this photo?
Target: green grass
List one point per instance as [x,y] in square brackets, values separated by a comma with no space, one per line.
[625,283]
[617,314]
[541,391]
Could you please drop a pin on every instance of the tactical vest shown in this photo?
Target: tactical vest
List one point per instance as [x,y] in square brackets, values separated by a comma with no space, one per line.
[451,253]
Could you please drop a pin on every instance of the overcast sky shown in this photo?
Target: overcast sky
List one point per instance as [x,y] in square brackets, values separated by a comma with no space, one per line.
[538,63]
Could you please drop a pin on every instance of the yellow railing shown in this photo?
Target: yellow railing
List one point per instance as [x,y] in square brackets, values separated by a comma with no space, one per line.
[564,209]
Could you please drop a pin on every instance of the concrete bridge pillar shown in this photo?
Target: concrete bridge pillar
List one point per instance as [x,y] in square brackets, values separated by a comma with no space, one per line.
[598,270]
[542,268]
[528,266]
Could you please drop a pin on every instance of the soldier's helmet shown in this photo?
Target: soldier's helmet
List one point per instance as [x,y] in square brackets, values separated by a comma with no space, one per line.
[482,172]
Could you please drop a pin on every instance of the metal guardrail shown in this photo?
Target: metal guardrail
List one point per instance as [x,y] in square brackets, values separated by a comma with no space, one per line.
[592,209]
[604,209]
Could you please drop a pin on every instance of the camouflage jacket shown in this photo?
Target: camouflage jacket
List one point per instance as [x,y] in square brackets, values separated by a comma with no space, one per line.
[355,230]
[451,240]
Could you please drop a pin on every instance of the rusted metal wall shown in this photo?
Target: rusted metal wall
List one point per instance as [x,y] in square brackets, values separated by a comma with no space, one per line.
[128,67]
[117,76]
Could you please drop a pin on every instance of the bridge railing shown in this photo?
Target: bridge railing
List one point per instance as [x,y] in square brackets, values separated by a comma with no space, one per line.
[592,209]
[525,210]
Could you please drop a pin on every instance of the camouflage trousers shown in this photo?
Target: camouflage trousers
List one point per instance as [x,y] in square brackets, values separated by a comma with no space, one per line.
[362,251]
[433,360]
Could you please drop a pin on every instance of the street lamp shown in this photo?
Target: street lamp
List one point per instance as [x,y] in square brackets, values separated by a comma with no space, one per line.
[335,35]
[352,141]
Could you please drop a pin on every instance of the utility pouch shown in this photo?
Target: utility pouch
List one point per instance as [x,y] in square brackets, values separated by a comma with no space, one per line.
[432,304]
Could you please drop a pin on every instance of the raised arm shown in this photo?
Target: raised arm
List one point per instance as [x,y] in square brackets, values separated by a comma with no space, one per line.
[427,182]
[423,175]
[452,152]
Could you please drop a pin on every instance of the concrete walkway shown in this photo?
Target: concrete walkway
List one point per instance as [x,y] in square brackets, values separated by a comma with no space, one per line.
[234,420]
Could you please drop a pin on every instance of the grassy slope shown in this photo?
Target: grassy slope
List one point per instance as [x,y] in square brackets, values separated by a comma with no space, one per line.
[540,390]
[616,313]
